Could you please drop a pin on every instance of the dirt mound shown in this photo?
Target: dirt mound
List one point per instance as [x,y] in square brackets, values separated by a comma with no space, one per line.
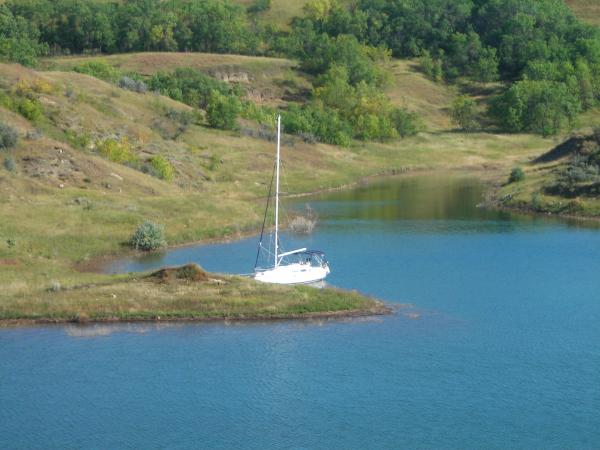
[189,272]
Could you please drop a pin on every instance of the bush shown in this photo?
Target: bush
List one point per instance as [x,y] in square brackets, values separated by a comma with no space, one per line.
[464,113]
[148,236]
[431,67]
[30,109]
[406,123]
[31,87]
[98,69]
[8,136]
[259,6]
[516,175]
[118,151]
[222,111]
[9,164]
[162,167]
[189,86]
[133,85]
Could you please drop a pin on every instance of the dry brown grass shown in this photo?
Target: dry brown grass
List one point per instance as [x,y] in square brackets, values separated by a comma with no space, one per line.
[266,80]
[412,90]
[587,10]
[280,13]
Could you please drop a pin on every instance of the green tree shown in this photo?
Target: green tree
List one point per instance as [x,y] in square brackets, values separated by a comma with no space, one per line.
[222,111]
[18,39]
[543,107]
[464,113]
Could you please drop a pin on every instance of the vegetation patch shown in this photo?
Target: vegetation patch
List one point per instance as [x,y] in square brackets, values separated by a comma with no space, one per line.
[516,175]
[161,167]
[117,150]
[189,272]
[148,236]
[176,294]
[9,136]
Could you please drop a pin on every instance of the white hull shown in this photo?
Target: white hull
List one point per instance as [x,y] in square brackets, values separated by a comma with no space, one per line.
[296,273]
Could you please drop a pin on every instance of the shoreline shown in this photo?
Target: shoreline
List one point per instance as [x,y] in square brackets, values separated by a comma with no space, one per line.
[380,310]
[95,263]
[492,201]
[487,175]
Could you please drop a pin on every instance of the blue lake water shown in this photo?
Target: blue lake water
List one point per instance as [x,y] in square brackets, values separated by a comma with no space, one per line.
[498,345]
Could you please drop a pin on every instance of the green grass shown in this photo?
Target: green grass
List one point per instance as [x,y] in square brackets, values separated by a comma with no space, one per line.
[143,298]
[529,195]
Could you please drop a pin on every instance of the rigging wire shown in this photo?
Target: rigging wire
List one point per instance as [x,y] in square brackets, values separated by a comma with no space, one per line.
[265,217]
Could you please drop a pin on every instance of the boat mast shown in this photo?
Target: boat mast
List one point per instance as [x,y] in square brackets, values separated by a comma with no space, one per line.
[277,191]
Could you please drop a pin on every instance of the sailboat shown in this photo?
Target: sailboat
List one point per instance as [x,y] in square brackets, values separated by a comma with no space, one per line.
[301,266]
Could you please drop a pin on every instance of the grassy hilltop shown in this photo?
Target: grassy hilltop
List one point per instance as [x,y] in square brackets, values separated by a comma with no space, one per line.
[587,10]
[95,157]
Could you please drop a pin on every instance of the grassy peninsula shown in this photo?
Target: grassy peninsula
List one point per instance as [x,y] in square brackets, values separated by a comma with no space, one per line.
[102,131]
[185,293]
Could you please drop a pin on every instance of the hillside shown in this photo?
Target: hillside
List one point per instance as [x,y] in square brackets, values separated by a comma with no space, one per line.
[272,81]
[192,149]
[64,203]
[586,10]
[280,12]
[267,80]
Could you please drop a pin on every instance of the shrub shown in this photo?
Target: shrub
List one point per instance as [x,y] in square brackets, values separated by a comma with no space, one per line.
[133,85]
[406,123]
[9,164]
[148,236]
[431,67]
[222,111]
[162,167]
[516,175]
[463,113]
[183,119]
[259,6]
[98,69]
[80,140]
[304,224]
[8,136]
[30,109]
[30,87]
[118,151]
[190,86]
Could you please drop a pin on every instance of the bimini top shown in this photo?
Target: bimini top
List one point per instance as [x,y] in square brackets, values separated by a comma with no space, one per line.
[302,251]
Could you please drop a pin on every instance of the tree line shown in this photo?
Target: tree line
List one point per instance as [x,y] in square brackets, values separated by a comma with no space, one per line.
[547,61]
